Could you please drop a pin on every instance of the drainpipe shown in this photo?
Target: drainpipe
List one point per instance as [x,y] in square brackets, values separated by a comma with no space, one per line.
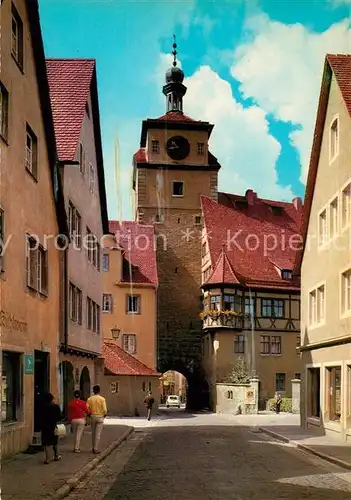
[65,300]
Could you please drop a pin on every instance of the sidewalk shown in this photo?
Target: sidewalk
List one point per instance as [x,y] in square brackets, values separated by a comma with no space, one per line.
[326,447]
[25,477]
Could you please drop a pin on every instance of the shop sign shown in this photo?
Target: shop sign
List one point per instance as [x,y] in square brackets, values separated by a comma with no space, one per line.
[29,364]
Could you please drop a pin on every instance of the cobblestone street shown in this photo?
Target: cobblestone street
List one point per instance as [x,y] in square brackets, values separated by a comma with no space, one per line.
[211,462]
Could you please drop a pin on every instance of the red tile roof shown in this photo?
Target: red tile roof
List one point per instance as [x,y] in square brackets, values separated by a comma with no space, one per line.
[140,156]
[119,362]
[69,83]
[340,65]
[176,116]
[254,235]
[138,242]
[223,271]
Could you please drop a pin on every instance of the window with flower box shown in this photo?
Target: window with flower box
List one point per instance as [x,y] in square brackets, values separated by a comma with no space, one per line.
[215,302]
[232,303]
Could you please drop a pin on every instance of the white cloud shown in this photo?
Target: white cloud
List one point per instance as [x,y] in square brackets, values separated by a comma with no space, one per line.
[240,139]
[280,67]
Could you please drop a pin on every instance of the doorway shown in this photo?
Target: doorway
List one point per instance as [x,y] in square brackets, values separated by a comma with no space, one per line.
[85,383]
[41,383]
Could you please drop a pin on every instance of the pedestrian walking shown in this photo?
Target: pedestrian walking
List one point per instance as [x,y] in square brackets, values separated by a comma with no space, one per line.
[50,415]
[278,402]
[149,403]
[77,412]
[98,410]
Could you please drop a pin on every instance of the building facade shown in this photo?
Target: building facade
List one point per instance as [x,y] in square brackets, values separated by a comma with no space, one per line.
[172,169]
[251,300]
[130,285]
[74,98]
[32,217]
[326,287]
[129,316]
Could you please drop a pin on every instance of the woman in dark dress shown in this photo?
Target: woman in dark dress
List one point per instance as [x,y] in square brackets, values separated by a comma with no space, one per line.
[50,416]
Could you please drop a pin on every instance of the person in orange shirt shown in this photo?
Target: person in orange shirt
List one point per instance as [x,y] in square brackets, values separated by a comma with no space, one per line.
[77,411]
[98,409]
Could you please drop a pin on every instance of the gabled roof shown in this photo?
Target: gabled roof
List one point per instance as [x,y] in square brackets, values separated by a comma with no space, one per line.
[223,272]
[46,110]
[248,227]
[119,362]
[340,65]
[138,243]
[70,82]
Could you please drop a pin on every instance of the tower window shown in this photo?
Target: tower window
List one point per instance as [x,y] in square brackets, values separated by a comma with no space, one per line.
[200,148]
[197,219]
[178,188]
[155,146]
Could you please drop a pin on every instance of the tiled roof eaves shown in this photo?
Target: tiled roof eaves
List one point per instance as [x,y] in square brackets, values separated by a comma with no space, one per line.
[46,110]
[99,153]
[314,159]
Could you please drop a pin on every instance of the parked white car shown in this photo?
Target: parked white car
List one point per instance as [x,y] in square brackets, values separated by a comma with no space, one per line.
[173,401]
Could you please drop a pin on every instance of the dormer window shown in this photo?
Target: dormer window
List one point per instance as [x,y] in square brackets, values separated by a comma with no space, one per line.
[155,146]
[286,274]
[200,148]
[276,210]
[334,139]
[241,204]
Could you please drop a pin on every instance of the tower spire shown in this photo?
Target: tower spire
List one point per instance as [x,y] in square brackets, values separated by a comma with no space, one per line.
[174,52]
[174,90]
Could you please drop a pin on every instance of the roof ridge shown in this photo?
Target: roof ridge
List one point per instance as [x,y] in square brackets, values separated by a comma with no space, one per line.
[75,59]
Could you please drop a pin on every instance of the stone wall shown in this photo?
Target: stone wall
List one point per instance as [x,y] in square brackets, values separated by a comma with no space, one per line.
[236,399]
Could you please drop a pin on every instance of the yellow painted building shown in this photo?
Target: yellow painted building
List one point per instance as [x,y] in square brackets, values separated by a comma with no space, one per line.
[129,315]
[325,264]
[31,217]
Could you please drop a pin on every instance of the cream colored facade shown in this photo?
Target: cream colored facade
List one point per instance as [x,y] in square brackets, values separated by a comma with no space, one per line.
[227,339]
[326,282]
[143,324]
[125,394]
[29,316]
[80,364]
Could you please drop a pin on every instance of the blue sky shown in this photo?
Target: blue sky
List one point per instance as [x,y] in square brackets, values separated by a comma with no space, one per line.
[253,69]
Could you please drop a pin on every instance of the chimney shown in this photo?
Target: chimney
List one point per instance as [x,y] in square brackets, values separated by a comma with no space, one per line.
[250,196]
[297,202]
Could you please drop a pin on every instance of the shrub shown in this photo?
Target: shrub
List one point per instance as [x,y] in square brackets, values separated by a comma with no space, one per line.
[285,407]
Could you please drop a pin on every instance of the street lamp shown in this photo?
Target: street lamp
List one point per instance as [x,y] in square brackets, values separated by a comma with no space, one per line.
[115,332]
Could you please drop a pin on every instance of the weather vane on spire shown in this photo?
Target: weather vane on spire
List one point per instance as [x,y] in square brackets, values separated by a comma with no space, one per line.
[174,52]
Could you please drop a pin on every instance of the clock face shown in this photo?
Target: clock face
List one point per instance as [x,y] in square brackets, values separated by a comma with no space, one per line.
[178,147]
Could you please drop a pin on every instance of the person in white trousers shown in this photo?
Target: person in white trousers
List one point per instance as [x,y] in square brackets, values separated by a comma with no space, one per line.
[77,412]
[98,409]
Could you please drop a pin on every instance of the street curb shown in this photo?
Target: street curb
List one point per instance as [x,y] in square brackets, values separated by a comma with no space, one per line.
[72,482]
[328,458]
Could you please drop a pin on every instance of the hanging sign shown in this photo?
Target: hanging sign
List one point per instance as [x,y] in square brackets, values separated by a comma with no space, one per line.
[29,364]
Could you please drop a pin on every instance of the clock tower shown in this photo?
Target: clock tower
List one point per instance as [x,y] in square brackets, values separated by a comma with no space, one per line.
[171,170]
